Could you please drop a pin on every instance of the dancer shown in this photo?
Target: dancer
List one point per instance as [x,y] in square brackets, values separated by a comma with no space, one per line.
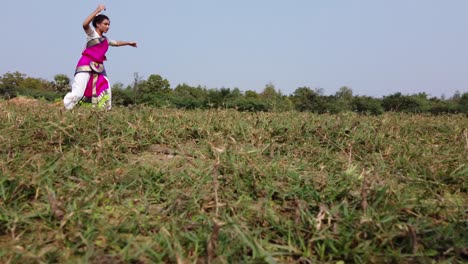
[90,85]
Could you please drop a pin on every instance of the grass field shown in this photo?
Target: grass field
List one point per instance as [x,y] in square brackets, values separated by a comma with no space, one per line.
[143,185]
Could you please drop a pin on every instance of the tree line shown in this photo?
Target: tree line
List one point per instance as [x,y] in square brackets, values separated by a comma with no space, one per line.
[156,91]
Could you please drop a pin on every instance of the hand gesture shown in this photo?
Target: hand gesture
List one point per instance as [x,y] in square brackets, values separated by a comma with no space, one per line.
[133,44]
[100,8]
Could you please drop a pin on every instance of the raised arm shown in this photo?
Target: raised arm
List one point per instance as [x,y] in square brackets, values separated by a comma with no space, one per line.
[90,18]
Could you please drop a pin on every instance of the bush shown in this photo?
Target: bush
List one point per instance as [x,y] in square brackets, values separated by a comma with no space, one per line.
[248,105]
[188,102]
[122,97]
[406,103]
[444,107]
[38,94]
[463,104]
[367,105]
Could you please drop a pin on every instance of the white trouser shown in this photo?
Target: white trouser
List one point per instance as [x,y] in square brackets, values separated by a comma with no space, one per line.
[78,88]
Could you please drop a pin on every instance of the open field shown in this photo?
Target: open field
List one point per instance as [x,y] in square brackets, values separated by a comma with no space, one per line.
[143,185]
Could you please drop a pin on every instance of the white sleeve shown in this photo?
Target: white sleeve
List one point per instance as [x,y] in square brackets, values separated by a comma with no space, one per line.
[92,34]
[112,42]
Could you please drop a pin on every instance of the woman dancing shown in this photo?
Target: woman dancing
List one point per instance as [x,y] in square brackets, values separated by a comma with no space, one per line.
[90,85]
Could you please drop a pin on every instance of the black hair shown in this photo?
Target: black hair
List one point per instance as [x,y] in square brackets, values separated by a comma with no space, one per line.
[99,18]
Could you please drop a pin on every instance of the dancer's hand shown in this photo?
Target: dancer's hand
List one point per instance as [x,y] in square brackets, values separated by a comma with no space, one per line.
[90,18]
[100,8]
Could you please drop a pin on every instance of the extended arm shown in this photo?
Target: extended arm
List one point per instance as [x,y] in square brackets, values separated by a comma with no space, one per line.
[124,43]
[90,18]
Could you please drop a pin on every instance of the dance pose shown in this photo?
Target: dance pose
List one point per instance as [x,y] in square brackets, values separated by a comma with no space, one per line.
[90,85]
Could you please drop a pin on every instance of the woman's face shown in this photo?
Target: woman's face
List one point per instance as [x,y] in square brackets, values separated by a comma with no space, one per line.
[103,26]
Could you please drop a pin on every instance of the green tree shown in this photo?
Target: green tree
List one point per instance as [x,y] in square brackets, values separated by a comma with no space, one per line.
[61,83]
[274,99]
[16,83]
[305,99]
[251,94]
[154,91]
[10,84]
[269,93]
[122,96]
[218,97]
[249,101]
[463,103]
[235,93]
[344,99]
[367,105]
[397,102]
[248,104]
[38,88]
[188,97]
[156,85]
[13,80]
[443,107]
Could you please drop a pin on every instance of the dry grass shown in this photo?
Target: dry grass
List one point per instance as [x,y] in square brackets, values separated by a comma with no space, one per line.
[149,185]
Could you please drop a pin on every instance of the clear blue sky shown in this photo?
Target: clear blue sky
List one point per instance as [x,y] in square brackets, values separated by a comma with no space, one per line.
[375,47]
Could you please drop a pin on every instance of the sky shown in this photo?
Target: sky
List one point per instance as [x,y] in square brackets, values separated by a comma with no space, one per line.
[374,47]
